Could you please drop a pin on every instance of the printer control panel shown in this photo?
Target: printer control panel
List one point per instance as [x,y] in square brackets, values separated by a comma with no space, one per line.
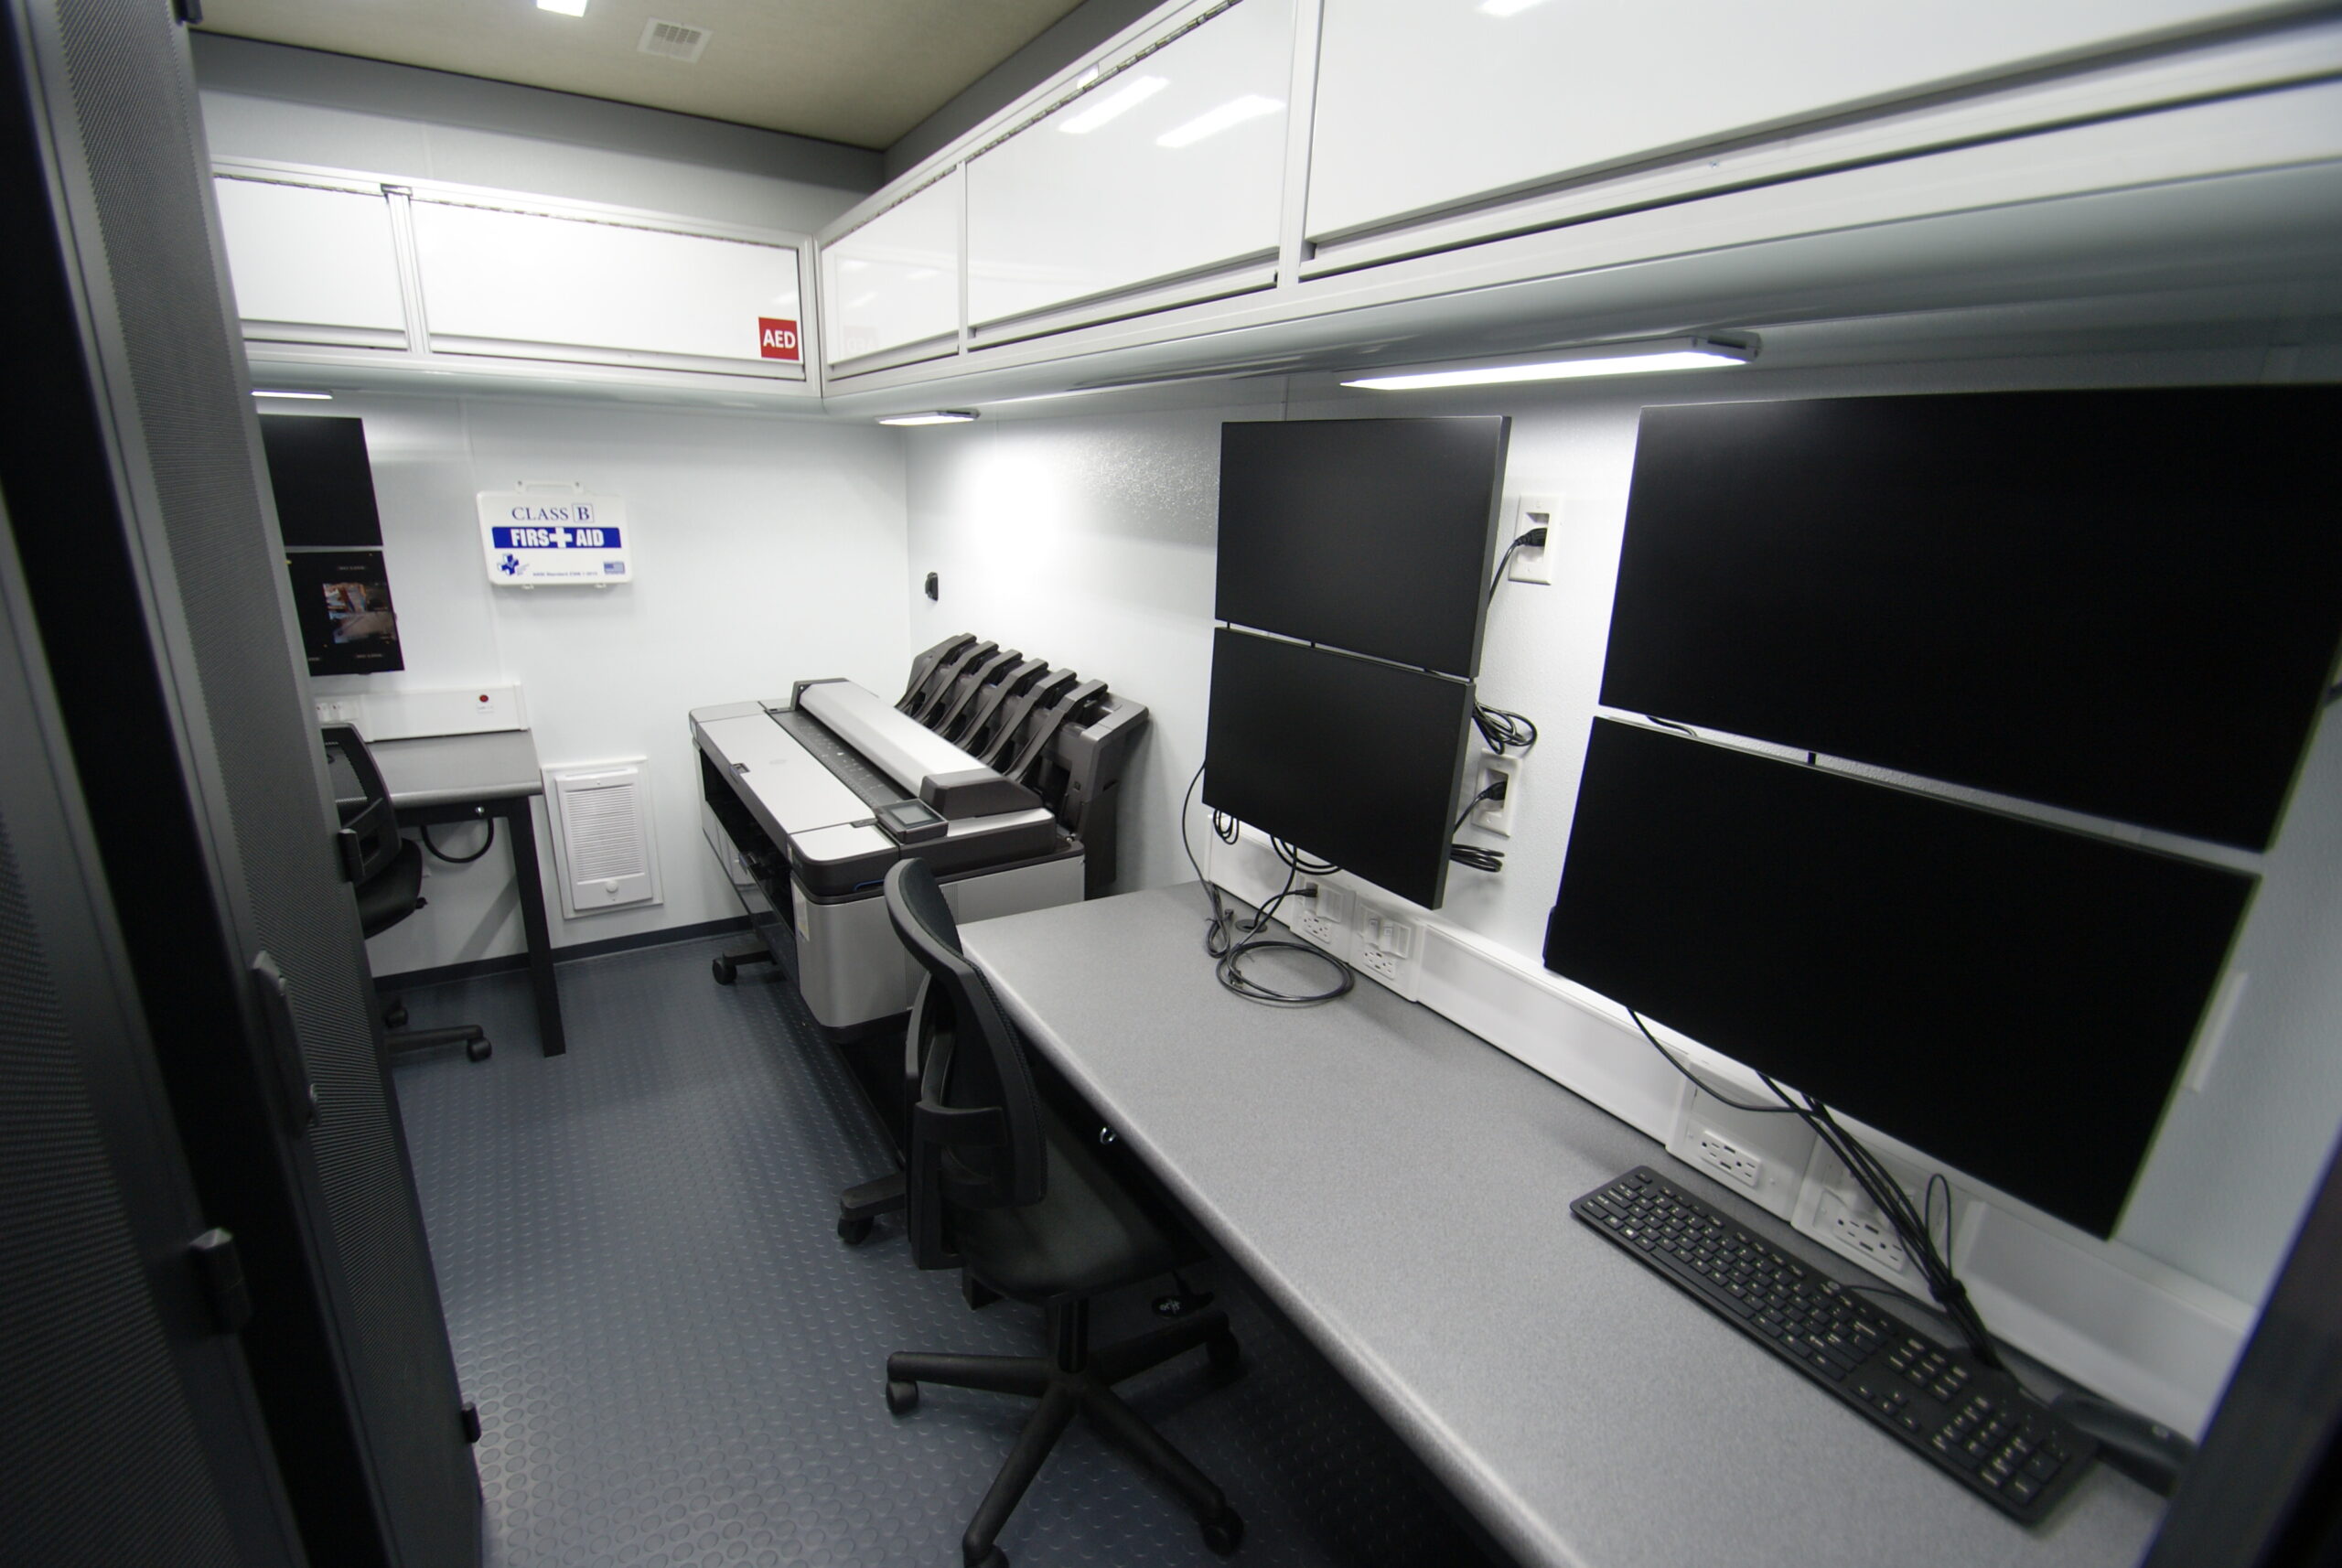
[911,821]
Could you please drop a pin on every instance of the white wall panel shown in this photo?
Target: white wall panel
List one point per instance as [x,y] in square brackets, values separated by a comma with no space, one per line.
[1422,103]
[896,280]
[1171,166]
[304,255]
[528,278]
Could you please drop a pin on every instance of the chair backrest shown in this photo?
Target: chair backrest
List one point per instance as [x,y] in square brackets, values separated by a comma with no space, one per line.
[976,1140]
[369,840]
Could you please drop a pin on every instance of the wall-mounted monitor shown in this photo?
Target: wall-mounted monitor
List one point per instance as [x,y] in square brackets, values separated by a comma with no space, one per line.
[2123,603]
[1373,535]
[1352,761]
[342,601]
[323,482]
[2013,999]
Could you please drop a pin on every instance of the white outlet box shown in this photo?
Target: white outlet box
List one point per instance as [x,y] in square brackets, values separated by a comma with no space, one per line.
[1389,947]
[1728,1159]
[1496,816]
[1536,565]
[1325,918]
[406,715]
[1861,1234]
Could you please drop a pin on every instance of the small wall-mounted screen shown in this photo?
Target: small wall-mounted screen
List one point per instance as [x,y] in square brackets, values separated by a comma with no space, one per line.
[1352,761]
[1374,535]
[323,482]
[343,600]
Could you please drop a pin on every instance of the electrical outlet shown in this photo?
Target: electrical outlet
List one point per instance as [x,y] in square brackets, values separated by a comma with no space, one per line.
[1496,816]
[1388,947]
[1860,1234]
[1529,565]
[1728,1159]
[337,710]
[1324,919]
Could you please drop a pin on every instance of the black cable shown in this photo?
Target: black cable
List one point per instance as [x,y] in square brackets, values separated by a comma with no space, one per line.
[423,830]
[1227,946]
[1502,730]
[1876,1183]
[1475,857]
[1532,540]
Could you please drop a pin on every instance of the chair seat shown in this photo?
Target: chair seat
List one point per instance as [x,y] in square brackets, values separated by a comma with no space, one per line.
[1087,1233]
[391,895]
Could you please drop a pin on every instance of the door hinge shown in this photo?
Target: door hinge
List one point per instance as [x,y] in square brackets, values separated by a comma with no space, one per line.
[221,1274]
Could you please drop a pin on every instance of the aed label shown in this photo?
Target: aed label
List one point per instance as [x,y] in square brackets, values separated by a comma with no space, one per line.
[776,339]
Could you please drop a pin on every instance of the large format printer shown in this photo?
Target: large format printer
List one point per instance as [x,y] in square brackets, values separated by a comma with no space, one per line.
[1000,772]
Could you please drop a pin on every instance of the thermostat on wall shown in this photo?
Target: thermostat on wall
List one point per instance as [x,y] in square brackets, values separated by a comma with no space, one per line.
[556,535]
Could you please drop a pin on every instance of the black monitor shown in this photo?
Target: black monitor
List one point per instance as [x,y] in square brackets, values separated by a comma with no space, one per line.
[324,486]
[1350,759]
[1374,535]
[2012,998]
[2124,602]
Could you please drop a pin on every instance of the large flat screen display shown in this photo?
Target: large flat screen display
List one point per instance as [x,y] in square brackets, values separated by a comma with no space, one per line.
[1354,761]
[1374,535]
[2124,602]
[322,480]
[2013,999]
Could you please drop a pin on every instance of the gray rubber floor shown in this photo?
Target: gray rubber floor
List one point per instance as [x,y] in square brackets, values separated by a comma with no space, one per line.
[676,1362]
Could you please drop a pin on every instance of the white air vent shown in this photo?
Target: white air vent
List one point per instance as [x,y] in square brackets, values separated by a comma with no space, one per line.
[603,848]
[673,40]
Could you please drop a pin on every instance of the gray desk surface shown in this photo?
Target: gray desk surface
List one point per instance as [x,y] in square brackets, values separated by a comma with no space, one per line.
[433,770]
[1400,1188]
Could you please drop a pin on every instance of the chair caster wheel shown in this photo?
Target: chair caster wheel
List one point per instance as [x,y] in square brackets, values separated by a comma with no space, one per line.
[854,1232]
[394,1016]
[1225,1353]
[1226,1533]
[994,1557]
[901,1397]
[478,1050]
[724,972]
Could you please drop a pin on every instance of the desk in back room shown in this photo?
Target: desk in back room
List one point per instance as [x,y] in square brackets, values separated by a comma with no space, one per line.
[438,779]
[1400,1188]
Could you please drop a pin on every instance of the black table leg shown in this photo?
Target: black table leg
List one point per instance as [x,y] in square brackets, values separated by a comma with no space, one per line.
[521,832]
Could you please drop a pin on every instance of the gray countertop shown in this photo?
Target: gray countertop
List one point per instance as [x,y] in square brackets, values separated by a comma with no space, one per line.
[1401,1188]
[433,770]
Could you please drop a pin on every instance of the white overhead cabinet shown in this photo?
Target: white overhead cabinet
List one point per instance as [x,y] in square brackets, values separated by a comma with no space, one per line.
[1158,184]
[1429,105]
[503,283]
[312,263]
[892,286]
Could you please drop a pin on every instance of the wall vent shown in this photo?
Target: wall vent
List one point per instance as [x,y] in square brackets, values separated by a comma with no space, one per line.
[604,854]
[673,40]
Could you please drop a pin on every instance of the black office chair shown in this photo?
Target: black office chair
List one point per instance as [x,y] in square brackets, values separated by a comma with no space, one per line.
[387,871]
[1000,1187]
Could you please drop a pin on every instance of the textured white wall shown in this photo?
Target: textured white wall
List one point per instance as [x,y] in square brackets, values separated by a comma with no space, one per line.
[1088,538]
[766,550]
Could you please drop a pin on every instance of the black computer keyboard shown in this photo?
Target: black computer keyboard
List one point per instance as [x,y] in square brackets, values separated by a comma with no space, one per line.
[1975,1423]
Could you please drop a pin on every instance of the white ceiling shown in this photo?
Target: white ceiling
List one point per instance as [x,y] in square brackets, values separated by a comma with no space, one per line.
[859,71]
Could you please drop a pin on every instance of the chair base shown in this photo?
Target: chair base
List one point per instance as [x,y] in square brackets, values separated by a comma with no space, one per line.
[1074,1380]
[726,966]
[860,1206]
[473,1038]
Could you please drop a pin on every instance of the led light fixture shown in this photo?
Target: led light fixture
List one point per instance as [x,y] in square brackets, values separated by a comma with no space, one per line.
[1115,103]
[1506,7]
[933,416]
[562,8]
[314,397]
[1604,359]
[1212,122]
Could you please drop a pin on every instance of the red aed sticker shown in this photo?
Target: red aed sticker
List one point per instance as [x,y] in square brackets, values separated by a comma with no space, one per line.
[776,339]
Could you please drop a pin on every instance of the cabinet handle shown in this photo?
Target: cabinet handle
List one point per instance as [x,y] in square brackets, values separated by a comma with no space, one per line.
[296,1094]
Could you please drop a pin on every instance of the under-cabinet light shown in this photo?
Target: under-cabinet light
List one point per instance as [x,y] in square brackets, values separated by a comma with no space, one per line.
[1115,103]
[562,8]
[1212,122]
[1507,7]
[314,397]
[1609,360]
[933,416]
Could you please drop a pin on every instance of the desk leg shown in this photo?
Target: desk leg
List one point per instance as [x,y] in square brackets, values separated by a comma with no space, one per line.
[522,830]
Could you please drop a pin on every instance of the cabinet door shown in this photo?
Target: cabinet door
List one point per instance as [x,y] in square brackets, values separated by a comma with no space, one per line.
[539,286]
[311,265]
[1172,167]
[895,281]
[1426,103]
